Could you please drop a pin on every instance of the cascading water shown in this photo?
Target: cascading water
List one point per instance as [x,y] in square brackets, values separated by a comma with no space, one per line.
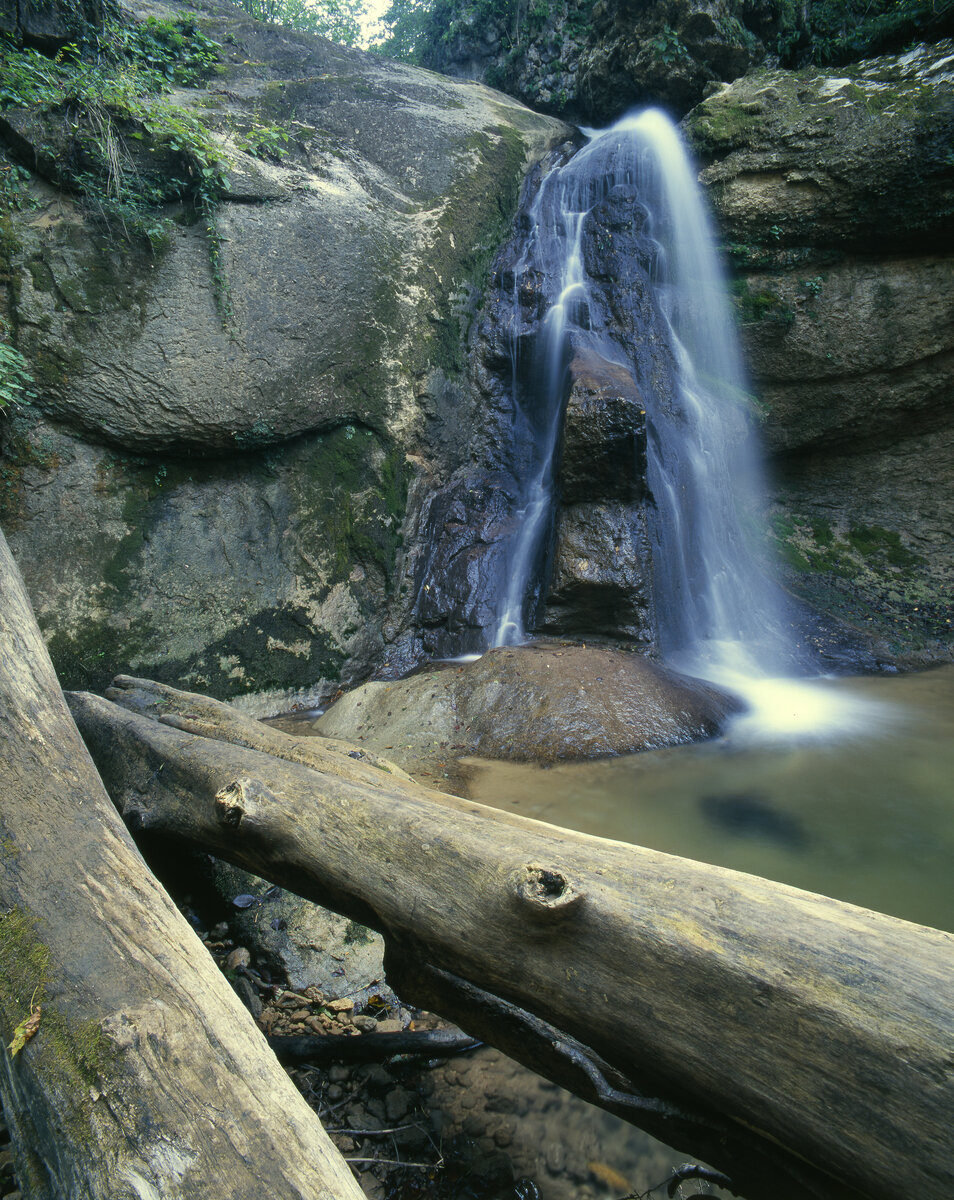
[719,614]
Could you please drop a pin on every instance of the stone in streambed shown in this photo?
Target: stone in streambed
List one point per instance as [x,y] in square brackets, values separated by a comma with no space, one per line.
[541,703]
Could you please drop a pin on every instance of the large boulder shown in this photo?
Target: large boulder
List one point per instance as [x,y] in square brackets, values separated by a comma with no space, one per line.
[538,703]
[53,24]
[835,197]
[234,428]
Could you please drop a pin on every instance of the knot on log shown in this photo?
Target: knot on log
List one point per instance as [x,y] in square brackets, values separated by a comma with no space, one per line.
[233,801]
[544,893]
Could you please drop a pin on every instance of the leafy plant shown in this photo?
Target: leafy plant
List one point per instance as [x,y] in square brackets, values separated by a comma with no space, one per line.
[667,46]
[16,382]
[111,93]
[833,32]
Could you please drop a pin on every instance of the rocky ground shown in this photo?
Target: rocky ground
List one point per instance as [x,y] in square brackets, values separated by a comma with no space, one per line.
[467,1126]
[472,1126]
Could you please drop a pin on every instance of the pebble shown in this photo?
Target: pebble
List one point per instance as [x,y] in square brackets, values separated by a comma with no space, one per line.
[239,957]
[248,994]
[398,1103]
[555,1156]
[391,1025]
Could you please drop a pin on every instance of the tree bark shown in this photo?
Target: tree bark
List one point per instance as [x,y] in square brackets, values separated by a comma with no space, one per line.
[145,1077]
[766,1027]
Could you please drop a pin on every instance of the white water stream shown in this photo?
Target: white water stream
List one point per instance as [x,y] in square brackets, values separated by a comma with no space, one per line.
[720,615]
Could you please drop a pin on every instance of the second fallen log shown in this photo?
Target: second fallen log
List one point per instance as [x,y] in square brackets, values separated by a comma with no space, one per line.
[826,1029]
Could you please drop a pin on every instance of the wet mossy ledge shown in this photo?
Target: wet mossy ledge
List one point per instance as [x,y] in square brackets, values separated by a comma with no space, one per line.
[217,476]
[833,191]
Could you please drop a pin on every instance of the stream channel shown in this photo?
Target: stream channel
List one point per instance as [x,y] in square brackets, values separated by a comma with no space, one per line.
[866,818]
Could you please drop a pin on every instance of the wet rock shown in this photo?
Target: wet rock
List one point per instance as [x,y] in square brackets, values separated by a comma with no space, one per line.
[601,583]
[464,533]
[541,702]
[604,433]
[835,192]
[313,947]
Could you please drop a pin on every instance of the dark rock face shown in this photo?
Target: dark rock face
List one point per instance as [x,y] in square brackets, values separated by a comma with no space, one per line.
[594,575]
[665,54]
[594,61]
[51,24]
[464,533]
[835,195]
[604,433]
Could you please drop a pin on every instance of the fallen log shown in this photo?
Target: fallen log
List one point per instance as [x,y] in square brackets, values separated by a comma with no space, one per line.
[761,1027]
[129,1069]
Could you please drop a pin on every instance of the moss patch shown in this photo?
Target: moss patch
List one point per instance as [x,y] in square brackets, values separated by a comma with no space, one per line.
[866,576]
[472,227]
[762,305]
[353,494]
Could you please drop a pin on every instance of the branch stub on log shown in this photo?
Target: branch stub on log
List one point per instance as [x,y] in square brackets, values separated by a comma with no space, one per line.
[238,799]
[544,893]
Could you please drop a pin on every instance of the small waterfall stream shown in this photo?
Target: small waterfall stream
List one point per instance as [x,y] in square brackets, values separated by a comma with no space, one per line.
[715,602]
[719,614]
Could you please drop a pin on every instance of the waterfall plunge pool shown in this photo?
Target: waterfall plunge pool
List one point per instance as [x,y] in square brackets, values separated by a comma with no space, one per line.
[866,817]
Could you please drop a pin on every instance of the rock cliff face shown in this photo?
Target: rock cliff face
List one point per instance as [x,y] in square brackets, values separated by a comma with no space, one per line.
[269,471]
[835,196]
[221,503]
[592,61]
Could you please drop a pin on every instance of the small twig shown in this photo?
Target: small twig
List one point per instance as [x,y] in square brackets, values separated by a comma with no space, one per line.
[396,1162]
[680,1175]
[373,1047]
[377,1132]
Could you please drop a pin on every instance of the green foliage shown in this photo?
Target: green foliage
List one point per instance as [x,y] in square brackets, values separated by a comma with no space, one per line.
[264,141]
[407,24]
[16,382]
[338,20]
[834,32]
[668,48]
[112,91]
[12,179]
[763,305]
[129,149]
[177,50]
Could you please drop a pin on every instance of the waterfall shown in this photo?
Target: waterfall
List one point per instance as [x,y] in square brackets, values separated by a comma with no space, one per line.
[654,302]
[717,607]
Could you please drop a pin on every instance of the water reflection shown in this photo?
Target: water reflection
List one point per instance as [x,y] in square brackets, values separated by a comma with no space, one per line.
[868,819]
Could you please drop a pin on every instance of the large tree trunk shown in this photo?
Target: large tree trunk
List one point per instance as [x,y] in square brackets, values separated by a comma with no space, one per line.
[773,1028]
[145,1078]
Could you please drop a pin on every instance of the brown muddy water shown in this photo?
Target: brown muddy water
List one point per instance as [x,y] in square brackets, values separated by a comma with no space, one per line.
[867,817]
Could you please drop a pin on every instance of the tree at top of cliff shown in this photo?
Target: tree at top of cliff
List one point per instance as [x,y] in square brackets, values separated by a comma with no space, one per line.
[338,20]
